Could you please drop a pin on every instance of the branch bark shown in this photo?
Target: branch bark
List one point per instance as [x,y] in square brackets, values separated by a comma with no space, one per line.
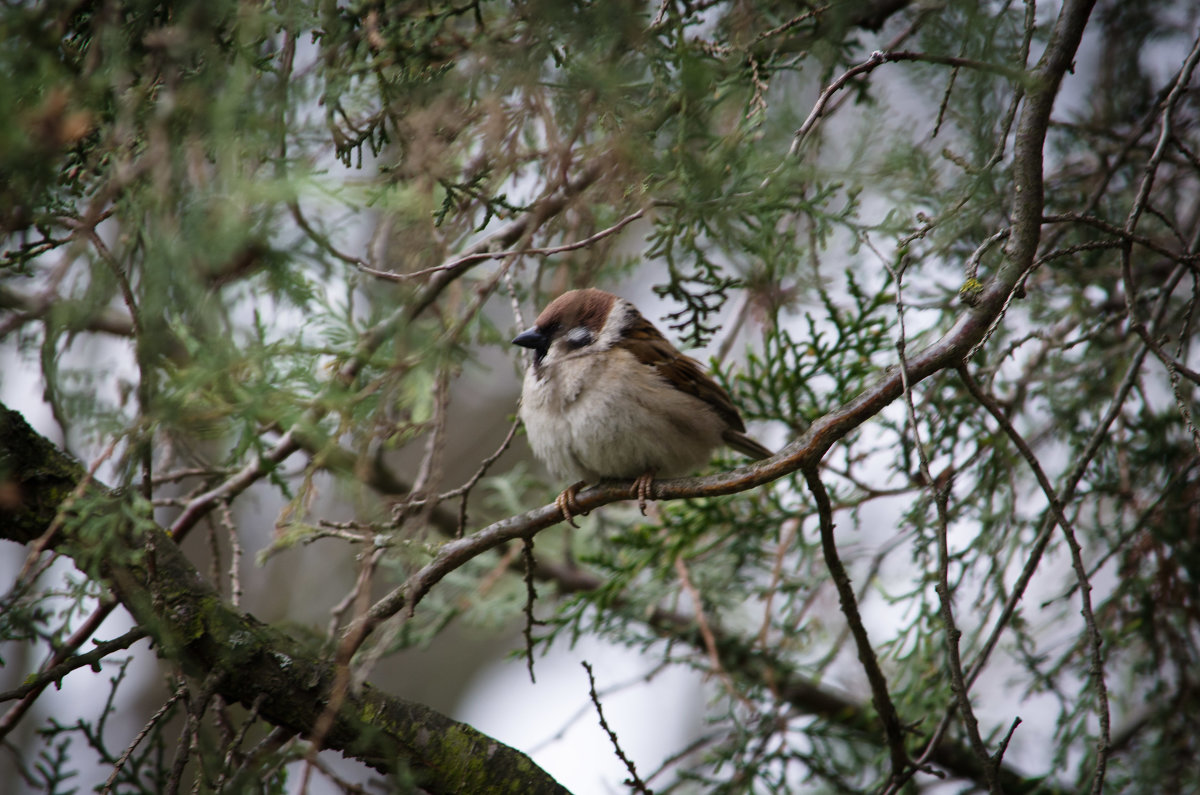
[250,661]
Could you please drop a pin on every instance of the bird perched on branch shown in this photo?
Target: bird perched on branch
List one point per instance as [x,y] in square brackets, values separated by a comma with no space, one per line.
[606,396]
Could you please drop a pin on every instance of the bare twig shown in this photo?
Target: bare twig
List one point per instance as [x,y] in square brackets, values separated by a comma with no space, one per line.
[1139,206]
[480,256]
[179,693]
[707,634]
[939,488]
[235,555]
[236,742]
[791,527]
[1096,671]
[530,599]
[633,781]
[880,697]
[188,735]
[1124,235]
[55,673]
[878,58]
[464,491]
[784,27]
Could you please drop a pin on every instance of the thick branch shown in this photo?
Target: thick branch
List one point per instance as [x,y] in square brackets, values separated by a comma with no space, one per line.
[249,660]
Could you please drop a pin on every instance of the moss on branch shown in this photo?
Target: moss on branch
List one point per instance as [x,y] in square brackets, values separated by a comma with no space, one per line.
[249,660]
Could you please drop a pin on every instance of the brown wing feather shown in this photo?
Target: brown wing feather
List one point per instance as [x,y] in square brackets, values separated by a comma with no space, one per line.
[651,348]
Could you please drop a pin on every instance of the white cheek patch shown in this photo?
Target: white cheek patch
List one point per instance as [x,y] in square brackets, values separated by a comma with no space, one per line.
[615,323]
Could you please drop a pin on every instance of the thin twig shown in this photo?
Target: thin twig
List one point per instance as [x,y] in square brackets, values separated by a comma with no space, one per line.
[480,256]
[586,707]
[940,489]
[344,676]
[1096,670]
[791,527]
[784,27]
[707,635]
[880,697]
[235,556]
[530,599]
[77,639]
[191,728]
[1038,547]
[633,781]
[237,740]
[142,439]
[464,491]
[1139,206]
[878,58]
[179,693]
[55,673]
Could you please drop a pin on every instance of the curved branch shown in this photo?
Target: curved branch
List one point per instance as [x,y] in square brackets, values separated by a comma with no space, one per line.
[804,452]
[971,328]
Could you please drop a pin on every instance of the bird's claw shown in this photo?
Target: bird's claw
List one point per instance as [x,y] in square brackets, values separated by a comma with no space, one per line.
[567,505]
[641,489]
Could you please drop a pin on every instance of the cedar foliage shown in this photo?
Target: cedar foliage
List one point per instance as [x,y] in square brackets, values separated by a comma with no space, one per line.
[946,254]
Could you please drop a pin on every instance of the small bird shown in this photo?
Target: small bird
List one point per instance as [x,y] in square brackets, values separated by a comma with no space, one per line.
[607,396]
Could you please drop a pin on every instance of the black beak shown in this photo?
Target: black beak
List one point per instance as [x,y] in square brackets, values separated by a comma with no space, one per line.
[535,340]
[532,339]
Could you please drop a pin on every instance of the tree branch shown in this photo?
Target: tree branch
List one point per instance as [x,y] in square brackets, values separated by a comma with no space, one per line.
[250,662]
[884,706]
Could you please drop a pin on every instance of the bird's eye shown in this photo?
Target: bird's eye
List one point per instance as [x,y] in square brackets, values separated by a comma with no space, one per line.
[578,337]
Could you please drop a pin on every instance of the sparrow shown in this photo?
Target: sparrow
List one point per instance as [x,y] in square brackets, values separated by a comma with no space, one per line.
[606,396]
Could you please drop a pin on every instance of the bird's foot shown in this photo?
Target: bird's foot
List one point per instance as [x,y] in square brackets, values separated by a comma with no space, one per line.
[641,489]
[568,505]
